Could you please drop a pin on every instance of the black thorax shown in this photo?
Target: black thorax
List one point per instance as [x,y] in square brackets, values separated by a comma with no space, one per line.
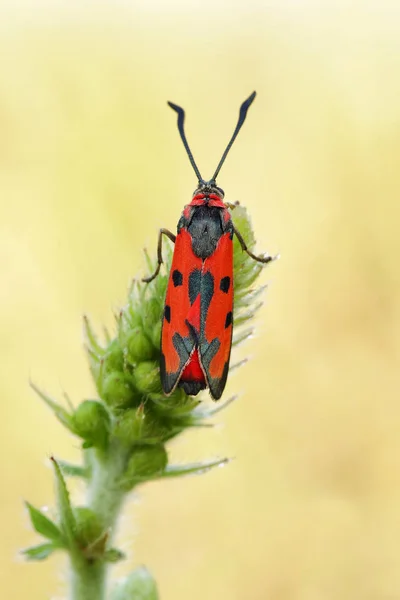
[206,226]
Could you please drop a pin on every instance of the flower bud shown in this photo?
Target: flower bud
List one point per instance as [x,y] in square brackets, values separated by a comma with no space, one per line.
[152,311]
[114,358]
[144,464]
[139,347]
[128,426]
[139,584]
[117,390]
[92,423]
[132,319]
[88,526]
[147,377]
[156,334]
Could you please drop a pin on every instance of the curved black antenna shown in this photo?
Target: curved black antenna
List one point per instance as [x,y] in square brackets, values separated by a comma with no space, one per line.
[242,116]
[181,119]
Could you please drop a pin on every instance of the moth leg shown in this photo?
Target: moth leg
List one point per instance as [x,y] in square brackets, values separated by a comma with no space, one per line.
[172,237]
[261,259]
[232,205]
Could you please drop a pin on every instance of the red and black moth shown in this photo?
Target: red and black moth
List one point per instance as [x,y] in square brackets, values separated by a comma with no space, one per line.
[196,336]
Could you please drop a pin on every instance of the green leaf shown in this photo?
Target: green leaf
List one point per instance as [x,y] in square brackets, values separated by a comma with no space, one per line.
[61,413]
[238,364]
[67,518]
[145,464]
[240,336]
[248,314]
[196,468]
[107,335]
[114,555]
[246,297]
[44,526]
[193,468]
[73,470]
[91,337]
[40,552]
[139,585]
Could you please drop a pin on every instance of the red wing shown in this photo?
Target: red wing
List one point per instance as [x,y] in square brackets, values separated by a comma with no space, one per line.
[181,320]
[217,315]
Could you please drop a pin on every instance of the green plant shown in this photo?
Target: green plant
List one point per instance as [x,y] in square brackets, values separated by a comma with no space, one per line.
[125,431]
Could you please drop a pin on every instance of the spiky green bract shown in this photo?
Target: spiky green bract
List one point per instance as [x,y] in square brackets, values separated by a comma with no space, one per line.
[125,430]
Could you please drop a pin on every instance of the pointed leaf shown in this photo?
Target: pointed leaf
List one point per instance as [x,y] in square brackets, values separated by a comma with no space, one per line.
[73,470]
[92,355]
[60,412]
[245,297]
[67,518]
[240,363]
[44,526]
[91,337]
[97,548]
[107,335]
[193,468]
[149,261]
[248,314]
[39,552]
[69,401]
[240,336]
[114,555]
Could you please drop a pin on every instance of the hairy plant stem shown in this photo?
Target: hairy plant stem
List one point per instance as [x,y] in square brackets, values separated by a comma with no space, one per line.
[87,580]
[105,498]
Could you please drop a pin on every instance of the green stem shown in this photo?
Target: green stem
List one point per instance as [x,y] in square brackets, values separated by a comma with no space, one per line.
[88,580]
[105,494]
[105,498]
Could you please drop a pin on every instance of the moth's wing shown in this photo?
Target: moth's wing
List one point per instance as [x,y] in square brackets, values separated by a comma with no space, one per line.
[178,337]
[216,315]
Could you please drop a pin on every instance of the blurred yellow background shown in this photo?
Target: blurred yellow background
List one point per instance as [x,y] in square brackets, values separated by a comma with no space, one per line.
[91,166]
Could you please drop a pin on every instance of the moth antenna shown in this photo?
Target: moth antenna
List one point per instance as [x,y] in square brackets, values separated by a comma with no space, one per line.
[181,120]
[242,116]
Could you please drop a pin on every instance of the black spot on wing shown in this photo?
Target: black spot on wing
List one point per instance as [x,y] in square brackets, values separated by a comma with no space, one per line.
[225,284]
[194,285]
[228,320]
[177,278]
[167,313]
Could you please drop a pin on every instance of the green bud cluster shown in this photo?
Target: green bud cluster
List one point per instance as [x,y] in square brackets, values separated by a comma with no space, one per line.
[124,430]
